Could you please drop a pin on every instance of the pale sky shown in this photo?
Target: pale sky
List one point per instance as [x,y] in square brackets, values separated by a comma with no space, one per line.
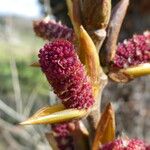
[27,8]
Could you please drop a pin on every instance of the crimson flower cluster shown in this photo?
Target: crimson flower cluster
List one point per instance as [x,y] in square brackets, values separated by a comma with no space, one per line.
[133,51]
[50,29]
[66,74]
[120,144]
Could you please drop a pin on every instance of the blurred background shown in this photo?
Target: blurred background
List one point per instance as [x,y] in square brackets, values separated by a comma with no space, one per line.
[23,89]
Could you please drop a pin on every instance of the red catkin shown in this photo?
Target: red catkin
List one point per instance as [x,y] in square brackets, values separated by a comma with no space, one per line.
[125,144]
[50,29]
[63,136]
[133,51]
[66,74]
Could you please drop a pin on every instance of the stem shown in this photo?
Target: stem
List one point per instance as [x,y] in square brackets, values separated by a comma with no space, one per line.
[95,114]
[93,120]
[98,37]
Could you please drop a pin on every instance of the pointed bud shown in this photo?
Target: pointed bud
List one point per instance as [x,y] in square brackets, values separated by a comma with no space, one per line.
[48,110]
[35,64]
[89,57]
[45,115]
[106,128]
[137,71]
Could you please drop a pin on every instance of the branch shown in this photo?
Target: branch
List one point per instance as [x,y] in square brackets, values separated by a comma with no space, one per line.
[95,114]
[118,14]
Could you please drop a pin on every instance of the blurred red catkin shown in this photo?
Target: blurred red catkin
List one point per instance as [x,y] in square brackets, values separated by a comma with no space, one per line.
[125,144]
[63,137]
[49,30]
[66,74]
[133,51]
